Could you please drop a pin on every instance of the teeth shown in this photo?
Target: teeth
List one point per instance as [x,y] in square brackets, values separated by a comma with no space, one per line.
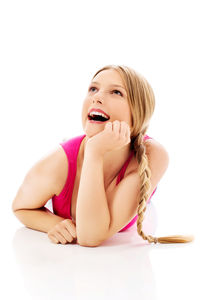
[98,114]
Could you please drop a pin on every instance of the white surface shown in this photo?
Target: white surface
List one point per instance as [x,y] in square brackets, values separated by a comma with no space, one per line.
[125,266]
[49,52]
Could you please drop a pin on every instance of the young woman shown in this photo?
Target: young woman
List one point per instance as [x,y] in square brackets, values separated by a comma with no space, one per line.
[99,182]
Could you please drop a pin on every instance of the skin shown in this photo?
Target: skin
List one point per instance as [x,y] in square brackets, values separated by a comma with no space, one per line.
[110,140]
[113,100]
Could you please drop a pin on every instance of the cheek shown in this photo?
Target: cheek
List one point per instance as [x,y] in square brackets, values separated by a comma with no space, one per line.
[86,103]
[128,114]
[84,112]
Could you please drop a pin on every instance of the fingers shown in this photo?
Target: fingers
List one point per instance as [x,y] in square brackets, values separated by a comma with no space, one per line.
[108,126]
[126,131]
[122,128]
[116,127]
[53,239]
[69,225]
[64,232]
[59,236]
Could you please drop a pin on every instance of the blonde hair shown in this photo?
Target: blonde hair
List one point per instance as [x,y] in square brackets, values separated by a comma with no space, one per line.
[142,104]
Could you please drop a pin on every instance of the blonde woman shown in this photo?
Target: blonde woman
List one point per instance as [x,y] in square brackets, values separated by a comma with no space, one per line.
[99,182]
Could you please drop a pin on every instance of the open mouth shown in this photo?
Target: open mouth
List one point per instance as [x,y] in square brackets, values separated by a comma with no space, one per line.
[97,118]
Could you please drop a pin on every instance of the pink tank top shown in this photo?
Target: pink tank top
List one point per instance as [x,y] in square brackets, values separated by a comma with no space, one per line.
[62,203]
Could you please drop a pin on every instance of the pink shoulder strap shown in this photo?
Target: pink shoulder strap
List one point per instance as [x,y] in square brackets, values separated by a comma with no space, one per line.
[123,169]
[146,137]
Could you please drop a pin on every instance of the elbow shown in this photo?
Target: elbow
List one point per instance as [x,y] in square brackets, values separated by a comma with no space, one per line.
[86,238]
[89,243]
[13,208]
[17,213]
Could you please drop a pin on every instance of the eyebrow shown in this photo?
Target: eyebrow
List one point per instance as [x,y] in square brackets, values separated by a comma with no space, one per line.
[110,84]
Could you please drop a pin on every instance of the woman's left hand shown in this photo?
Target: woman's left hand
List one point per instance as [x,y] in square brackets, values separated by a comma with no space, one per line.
[114,136]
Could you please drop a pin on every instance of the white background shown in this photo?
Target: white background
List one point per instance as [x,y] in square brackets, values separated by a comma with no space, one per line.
[48,54]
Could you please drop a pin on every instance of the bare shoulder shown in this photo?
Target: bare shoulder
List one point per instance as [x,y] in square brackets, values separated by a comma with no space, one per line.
[54,158]
[55,165]
[58,164]
[154,147]
[42,181]
[158,159]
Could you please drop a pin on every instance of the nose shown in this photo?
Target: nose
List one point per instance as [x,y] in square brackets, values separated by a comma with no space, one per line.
[96,99]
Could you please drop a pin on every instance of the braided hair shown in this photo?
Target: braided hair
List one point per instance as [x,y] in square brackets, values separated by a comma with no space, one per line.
[142,104]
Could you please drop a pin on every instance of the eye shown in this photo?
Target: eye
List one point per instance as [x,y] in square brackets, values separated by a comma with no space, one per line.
[118,92]
[92,87]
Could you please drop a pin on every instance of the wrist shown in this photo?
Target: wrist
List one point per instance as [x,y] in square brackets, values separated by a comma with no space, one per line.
[91,152]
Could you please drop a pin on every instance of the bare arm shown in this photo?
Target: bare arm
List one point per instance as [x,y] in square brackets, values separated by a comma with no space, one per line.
[38,187]
[40,219]
[92,212]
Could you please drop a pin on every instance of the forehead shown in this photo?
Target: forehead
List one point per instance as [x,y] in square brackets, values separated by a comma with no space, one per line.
[108,77]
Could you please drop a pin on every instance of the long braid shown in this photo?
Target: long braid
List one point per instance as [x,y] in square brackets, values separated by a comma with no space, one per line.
[145,175]
[141,100]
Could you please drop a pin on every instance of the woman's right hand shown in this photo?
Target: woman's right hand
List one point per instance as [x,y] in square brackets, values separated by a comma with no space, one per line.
[63,232]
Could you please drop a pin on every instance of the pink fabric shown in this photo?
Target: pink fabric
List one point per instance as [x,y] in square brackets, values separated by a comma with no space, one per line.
[62,203]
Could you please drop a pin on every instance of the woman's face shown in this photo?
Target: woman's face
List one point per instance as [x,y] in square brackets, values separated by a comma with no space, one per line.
[106,92]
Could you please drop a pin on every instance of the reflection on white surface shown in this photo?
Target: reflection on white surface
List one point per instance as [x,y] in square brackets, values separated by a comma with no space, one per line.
[124,266]
[43,84]
[119,268]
